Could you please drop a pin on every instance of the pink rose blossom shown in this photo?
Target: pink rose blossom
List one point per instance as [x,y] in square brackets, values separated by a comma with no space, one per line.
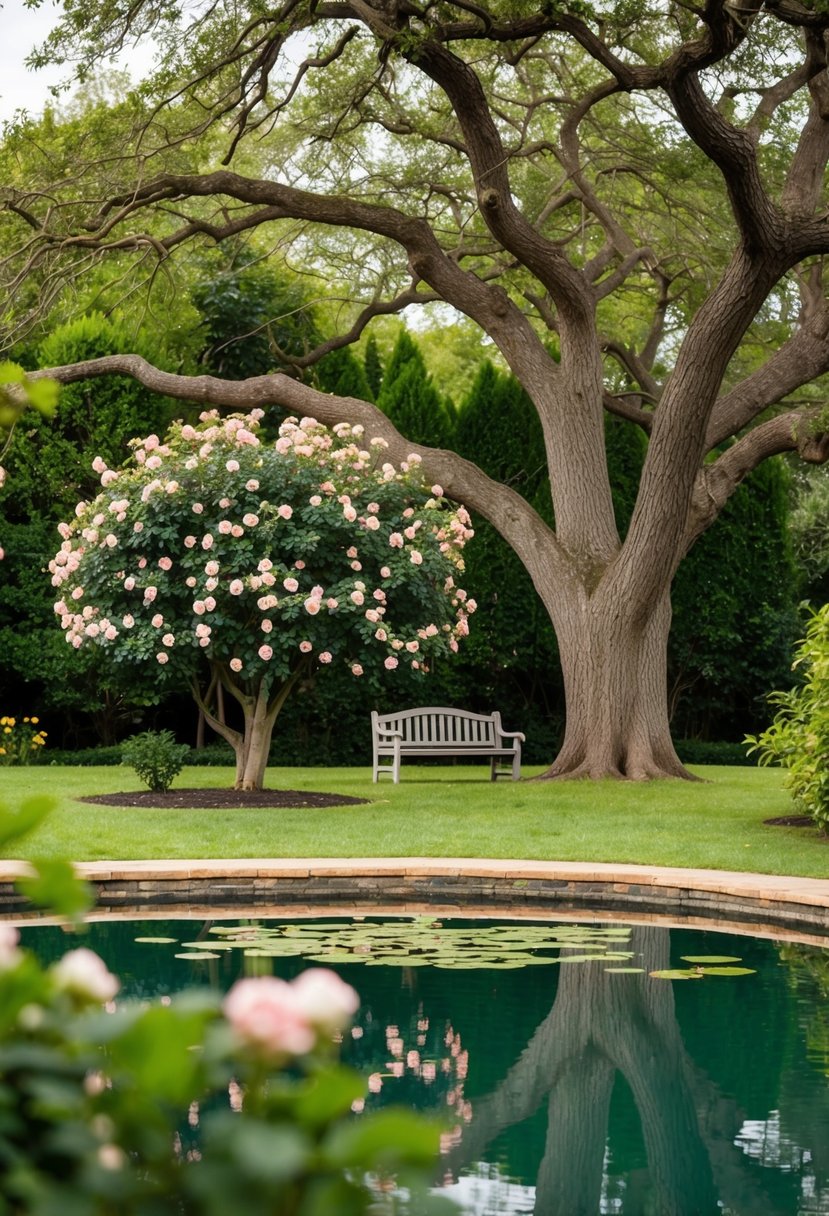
[162,657]
[236,586]
[372,523]
[151,442]
[110,633]
[437,491]
[198,508]
[266,1014]
[189,542]
[210,603]
[306,647]
[202,630]
[129,583]
[266,625]
[168,640]
[199,607]
[157,621]
[315,500]
[237,530]
[396,540]
[332,603]
[381,635]
[312,605]
[325,656]
[252,485]
[225,527]
[83,973]
[128,621]
[285,511]
[138,526]
[327,1001]
[349,514]
[265,565]
[250,520]
[300,565]
[356,669]
[265,652]
[232,466]
[235,664]
[207,541]
[165,563]
[290,584]
[149,594]
[390,663]
[10,956]
[211,568]
[352,552]
[416,558]
[385,572]
[357,598]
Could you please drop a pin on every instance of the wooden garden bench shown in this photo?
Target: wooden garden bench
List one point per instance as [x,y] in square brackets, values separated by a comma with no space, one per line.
[435,731]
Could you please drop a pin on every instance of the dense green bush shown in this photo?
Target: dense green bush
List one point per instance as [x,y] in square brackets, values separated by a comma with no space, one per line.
[798,738]
[156,757]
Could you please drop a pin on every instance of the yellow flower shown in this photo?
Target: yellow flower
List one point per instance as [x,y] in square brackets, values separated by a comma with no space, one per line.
[34,721]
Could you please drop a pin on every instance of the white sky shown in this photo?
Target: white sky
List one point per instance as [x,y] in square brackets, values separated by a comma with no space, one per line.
[21,30]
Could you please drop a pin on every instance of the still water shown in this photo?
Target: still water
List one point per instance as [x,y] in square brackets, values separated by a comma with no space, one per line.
[566,1090]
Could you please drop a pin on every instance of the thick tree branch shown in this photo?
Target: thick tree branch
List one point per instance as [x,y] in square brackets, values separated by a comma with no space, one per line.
[801,359]
[801,431]
[461,480]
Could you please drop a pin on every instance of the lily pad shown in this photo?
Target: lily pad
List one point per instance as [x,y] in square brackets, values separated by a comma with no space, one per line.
[676,973]
[710,958]
[729,971]
[198,956]
[625,970]
[161,941]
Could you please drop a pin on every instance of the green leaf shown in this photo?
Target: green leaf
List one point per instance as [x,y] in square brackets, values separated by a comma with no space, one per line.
[57,886]
[31,814]
[387,1139]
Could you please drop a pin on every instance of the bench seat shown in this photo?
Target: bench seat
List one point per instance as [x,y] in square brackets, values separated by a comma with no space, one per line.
[436,731]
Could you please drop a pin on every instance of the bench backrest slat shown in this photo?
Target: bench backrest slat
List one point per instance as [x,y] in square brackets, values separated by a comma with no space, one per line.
[441,727]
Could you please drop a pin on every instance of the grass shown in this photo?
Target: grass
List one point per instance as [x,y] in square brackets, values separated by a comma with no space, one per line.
[433,812]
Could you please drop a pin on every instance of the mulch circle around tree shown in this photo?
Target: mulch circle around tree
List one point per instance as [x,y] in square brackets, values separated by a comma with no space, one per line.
[222,799]
[791,821]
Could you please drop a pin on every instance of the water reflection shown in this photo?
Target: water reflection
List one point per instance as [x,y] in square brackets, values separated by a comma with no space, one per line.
[702,1156]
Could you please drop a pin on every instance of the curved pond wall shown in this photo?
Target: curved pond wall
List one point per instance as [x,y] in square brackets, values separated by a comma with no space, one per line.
[760,902]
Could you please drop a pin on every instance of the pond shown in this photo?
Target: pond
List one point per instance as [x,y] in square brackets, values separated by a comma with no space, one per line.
[570,1078]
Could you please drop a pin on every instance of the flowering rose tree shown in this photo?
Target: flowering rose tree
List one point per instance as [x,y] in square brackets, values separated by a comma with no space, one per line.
[235,563]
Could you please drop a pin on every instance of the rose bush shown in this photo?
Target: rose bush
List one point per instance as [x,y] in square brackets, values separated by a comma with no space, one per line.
[221,559]
[173,1108]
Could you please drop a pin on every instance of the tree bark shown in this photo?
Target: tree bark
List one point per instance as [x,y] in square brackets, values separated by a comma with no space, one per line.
[614,664]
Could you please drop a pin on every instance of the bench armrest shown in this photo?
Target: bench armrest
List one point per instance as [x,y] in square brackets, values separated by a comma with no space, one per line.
[513,734]
[388,734]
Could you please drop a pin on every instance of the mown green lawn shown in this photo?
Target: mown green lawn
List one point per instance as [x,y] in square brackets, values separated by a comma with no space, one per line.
[448,811]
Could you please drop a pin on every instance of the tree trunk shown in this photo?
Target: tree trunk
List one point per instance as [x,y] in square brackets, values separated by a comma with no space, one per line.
[252,749]
[614,663]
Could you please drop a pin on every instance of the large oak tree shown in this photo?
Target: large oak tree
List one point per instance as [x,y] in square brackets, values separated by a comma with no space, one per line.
[628,199]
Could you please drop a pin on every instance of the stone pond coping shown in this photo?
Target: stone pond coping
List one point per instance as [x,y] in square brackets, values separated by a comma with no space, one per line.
[763,903]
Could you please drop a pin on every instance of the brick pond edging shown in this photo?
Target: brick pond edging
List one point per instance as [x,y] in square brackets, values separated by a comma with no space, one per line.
[450,885]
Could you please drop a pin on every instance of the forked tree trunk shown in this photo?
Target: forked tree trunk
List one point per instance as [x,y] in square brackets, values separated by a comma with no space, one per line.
[614,665]
[260,711]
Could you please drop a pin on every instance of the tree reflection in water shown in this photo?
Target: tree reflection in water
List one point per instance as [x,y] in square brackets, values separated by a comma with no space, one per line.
[602,1024]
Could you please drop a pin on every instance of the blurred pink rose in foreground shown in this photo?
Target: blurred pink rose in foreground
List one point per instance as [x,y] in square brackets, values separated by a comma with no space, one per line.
[84,974]
[281,1019]
[9,954]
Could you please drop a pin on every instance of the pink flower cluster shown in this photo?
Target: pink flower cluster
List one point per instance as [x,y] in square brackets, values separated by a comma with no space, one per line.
[278,1020]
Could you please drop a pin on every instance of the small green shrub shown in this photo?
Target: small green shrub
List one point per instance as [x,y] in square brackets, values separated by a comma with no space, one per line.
[798,738]
[156,757]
